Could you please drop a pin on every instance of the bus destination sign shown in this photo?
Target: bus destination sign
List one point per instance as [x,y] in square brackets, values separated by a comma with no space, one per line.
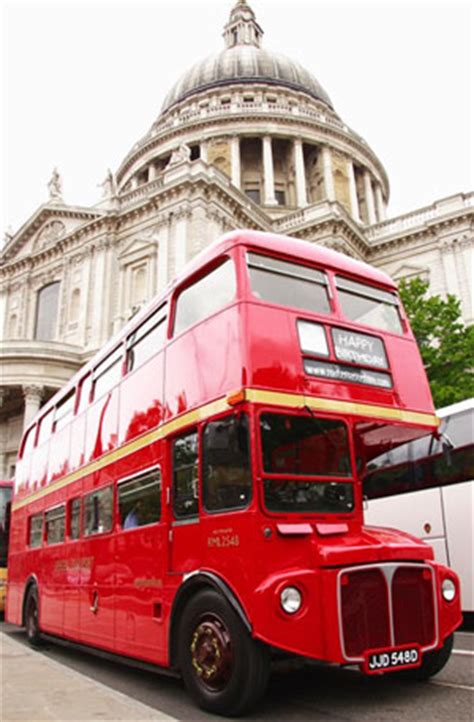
[351,374]
[359,348]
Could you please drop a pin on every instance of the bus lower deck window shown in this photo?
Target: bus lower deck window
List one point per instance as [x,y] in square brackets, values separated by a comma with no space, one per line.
[98,511]
[139,500]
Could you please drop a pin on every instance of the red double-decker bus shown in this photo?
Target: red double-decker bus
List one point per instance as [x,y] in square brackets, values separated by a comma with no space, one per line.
[6,490]
[192,498]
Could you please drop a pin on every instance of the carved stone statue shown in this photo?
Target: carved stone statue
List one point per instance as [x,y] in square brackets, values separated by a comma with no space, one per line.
[109,185]
[180,155]
[9,233]
[55,187]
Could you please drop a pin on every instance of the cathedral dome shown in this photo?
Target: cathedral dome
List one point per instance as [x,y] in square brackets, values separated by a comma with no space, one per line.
[244,61]
[245,64]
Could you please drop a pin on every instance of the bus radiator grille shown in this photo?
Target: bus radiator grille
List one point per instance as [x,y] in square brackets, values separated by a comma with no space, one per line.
[365,611]
[413,606]
[386,606]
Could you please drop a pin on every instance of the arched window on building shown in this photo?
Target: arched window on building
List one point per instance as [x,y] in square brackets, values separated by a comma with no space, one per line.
[47,312]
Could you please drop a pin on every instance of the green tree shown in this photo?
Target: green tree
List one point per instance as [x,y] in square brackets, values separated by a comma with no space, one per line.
[445,343]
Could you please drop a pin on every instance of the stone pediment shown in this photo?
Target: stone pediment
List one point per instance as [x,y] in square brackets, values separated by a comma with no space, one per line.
[410,271]
[137,248]
[49,224]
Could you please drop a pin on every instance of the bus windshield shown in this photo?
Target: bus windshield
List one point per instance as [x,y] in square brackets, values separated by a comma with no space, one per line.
[300,446]
[5,503]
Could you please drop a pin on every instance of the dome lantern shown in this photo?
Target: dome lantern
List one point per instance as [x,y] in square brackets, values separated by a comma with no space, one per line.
[242,27]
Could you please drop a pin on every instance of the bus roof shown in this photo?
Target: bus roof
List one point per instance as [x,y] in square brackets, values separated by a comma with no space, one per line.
[294,248]
[288,246]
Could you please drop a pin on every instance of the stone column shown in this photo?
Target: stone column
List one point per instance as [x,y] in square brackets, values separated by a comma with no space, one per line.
[353,191]
[3,314]
[235,160]
[369,198]
[268,177]
[180,241]
[379,204]
[99,287]
[300,175]
[451,283]
[152,173]
[162,244]
[203,151]
[32,395]
[328,176]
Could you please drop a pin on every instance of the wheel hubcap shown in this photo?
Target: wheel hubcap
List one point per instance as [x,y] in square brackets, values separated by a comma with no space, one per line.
[211,652]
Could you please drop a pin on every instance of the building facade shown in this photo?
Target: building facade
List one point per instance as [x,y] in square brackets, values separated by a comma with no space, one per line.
[246,138]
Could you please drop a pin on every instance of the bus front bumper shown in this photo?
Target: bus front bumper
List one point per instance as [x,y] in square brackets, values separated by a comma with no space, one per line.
[347,612]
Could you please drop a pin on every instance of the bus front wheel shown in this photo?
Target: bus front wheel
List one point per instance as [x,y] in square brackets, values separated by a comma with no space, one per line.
[224,669]
[32,617]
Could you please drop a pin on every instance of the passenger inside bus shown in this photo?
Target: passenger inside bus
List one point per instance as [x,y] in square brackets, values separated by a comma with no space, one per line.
[133,518]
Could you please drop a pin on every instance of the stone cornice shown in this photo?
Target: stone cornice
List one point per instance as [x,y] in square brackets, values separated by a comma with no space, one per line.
[326,126]
[34,223]
[317,216]
[446,208]
[50,350]
[196,179]
[423,226]
[83,234]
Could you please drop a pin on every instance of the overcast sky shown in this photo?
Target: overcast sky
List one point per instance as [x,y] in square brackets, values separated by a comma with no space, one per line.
[83,81]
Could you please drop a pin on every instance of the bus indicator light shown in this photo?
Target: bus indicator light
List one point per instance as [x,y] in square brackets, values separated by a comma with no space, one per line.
[236,397]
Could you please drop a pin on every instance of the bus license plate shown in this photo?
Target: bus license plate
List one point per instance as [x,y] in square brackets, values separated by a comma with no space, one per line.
[387,660]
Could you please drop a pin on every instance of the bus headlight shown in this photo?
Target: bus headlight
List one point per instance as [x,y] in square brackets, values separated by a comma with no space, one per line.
[448,590]
[290,600]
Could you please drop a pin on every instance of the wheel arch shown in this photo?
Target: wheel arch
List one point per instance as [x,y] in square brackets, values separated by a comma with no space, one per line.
[192,584]
[31,582]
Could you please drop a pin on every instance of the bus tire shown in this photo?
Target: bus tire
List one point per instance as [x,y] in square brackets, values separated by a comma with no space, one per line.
[224,669]
[33,633]
[433,662]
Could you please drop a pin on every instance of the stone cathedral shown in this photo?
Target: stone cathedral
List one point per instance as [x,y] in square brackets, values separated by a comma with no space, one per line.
[247,138]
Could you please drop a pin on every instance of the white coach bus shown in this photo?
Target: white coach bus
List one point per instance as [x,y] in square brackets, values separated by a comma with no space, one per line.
[426,488]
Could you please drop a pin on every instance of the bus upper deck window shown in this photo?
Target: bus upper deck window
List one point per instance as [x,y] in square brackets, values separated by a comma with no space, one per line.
[369,305]
[288,284]
[107,373]
[64,410]
[28,443]
[147,339]
[206,296]
[45,427]
[84,393]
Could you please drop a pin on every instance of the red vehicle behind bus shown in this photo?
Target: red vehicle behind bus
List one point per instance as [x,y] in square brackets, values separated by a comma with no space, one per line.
[192,498]
[6,490]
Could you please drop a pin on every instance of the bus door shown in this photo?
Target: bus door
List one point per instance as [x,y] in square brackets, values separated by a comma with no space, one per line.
[140,560]
[185,531]
[97,569]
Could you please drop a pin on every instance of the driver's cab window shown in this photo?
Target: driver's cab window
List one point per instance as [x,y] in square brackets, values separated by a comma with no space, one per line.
[185,476]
